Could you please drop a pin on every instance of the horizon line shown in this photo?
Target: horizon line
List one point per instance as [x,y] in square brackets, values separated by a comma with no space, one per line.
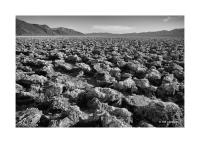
[102,32]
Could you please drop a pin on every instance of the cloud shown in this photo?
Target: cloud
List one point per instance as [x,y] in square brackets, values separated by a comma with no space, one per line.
[167,19]
[112,28]
[174,18]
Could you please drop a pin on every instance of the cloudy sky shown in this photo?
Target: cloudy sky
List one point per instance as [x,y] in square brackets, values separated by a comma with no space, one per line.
[112,24]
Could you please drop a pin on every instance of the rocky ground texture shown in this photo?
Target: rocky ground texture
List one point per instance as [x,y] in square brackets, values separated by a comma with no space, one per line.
[99,82]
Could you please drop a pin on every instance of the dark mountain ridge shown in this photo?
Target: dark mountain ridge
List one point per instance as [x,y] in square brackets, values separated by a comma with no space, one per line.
[27,29]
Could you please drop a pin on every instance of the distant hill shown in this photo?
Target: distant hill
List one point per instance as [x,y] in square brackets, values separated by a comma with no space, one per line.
[163,33]
[101,34]
[26,29]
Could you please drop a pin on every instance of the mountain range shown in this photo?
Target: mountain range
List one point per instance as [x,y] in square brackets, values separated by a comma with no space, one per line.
[27,29]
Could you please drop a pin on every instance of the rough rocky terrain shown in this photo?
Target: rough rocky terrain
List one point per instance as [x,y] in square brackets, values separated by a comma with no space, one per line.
[99,82]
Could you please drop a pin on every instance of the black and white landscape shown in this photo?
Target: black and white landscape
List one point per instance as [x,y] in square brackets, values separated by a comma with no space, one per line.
[112,71]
